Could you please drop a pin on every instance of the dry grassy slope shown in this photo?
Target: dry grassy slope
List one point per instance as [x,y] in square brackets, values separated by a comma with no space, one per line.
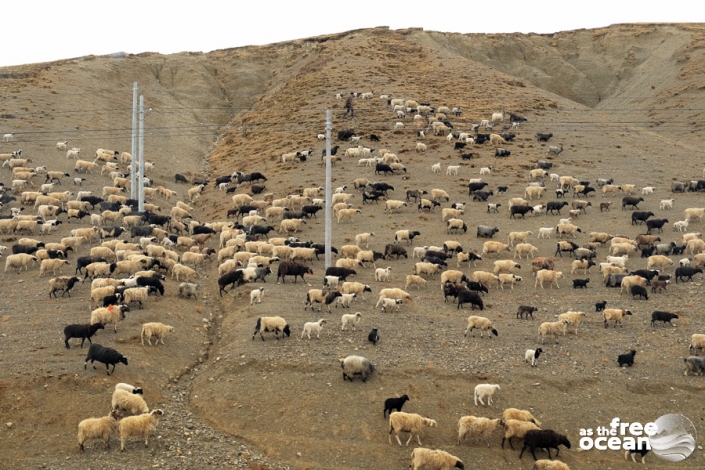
[289,86]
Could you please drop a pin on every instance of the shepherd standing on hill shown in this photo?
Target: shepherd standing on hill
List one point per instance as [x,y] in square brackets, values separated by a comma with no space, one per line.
[349,108]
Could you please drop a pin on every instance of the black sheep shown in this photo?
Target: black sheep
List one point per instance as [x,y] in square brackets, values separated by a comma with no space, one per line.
[290,268]
[451,290]
[391,404]
[556,206]
[81,331]
[234,278]
[373,337]
[627,359]
[640,217]
[665,317]
[477,287]
[107,356]
[544,439]
[30,250]
[580,283]
[374,138]
[342,273]
[84,261]
[684,272]
[393,249]
[600,306]
[155,282]
[202,229]
[639,291]
[473,298]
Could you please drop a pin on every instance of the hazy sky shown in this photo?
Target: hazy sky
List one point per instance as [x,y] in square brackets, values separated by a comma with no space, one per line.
[46,30]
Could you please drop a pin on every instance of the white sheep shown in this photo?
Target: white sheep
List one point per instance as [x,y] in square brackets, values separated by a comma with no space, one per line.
[107,315]
[452,170]
[98,428]
[552,328]
[481,323]
[129,402]
[547,275]
[351,319]
[140,425]
[478,427]
[433,460]
[19,261]
[485,391]
[156,329]
[314,327]
[408,422]
[574,319]
[436,168]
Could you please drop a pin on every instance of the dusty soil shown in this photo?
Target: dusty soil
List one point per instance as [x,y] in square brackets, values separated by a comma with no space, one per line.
[231,401]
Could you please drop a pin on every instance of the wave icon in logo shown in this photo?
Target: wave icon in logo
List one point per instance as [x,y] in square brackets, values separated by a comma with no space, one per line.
[675,439]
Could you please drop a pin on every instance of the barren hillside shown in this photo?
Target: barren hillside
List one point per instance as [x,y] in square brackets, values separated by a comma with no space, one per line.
[624,102]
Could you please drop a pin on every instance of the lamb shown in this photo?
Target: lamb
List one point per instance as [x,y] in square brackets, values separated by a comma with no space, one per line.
[344,300]
[544,439]
[271,324]
[139,425]
[364,238]
[357,365]
[481,323]
[383,275]
[626,359]
[614,314]
[107,356]
[156,329]
[412,423]
[314,327]
[526,309]
[350,319]
[484,391]
[256,295]
[552,328]
[81,331]
[391,404]
[434,460]
[98,428]
[694,365]
[112,314]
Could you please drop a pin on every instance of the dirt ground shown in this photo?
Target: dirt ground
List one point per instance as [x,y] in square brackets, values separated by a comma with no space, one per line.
[232,401]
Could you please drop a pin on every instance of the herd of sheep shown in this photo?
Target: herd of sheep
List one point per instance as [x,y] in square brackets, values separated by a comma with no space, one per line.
[179,246]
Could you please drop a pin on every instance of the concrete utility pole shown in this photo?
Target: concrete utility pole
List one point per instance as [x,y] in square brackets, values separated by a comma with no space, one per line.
[329,196]
[140,175]
[134,140]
